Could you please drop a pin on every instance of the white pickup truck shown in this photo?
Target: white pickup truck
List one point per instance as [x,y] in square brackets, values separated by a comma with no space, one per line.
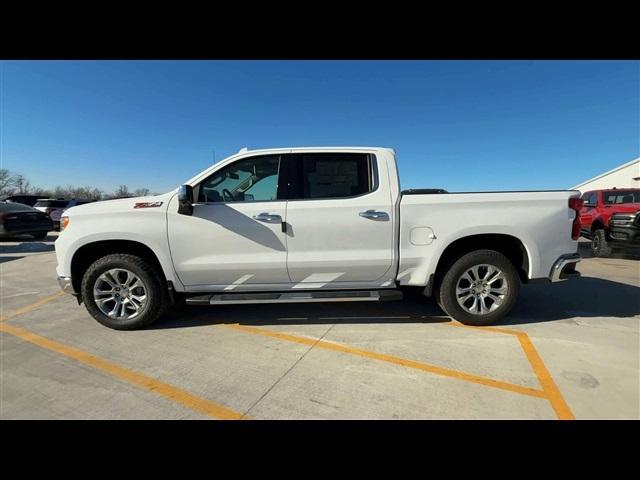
[313,225]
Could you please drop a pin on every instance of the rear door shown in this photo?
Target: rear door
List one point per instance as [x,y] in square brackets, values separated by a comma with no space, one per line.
[339,220]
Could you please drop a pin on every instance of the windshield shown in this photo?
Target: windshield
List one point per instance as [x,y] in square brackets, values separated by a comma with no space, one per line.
[621,196]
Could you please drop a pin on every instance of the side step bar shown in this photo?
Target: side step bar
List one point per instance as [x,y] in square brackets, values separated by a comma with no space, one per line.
[295,297]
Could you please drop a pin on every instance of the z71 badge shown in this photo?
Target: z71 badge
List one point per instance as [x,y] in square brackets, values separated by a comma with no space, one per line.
[147,204]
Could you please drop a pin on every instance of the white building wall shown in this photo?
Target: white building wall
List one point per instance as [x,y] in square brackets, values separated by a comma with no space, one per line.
[624,176]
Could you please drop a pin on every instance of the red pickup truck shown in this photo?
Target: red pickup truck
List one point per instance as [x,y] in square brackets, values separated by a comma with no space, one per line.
[611,219]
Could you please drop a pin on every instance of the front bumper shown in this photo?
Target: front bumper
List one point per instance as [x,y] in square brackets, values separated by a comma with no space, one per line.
[565,268]
[622,235]
[66,285]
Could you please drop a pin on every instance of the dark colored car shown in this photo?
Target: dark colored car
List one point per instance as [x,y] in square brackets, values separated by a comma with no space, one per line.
[18,219]
[611,219]
[24,199]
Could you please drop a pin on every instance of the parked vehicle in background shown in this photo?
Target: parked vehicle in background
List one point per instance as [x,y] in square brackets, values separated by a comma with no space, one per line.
[611,219]
[18,219]
[55,207]
[23,199]
[313,225]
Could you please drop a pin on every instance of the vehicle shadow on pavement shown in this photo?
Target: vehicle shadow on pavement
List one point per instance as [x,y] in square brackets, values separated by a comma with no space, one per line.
[27,245]
[584,249]
[584,297]
[537,303]
[8,259]
[407,311]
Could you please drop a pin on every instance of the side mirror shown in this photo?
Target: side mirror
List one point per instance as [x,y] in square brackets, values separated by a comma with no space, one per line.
[185,200]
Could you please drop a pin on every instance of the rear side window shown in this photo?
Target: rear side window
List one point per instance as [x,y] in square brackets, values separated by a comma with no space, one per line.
[52,203]
[621,196]
[332,175]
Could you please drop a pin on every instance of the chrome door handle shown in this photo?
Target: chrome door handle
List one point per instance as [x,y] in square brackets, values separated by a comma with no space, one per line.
[268,217]
[374,215]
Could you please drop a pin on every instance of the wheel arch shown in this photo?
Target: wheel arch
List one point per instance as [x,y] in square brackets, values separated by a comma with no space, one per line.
[597,224]
[510,246]
[88,253]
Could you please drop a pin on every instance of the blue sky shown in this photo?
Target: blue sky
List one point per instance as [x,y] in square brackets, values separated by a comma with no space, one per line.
[459,125]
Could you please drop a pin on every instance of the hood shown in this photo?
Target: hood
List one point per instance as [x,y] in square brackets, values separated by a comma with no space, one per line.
[122,205]
[624,208]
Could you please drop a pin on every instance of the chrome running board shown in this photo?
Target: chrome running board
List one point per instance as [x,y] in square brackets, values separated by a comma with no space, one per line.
[295,297]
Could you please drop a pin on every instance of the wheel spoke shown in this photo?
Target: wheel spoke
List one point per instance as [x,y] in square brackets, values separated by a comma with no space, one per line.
[483,307]
[475,272]
[465,298]
[499,290]
[497,275]
[106,278]
[102,301]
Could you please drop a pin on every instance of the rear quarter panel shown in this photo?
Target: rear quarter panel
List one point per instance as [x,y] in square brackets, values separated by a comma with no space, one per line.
[540,220]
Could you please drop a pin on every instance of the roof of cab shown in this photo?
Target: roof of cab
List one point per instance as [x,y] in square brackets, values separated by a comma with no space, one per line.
[302,149]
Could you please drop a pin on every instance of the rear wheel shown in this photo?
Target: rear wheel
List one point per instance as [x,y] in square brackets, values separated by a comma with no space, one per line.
[480,288]
[599,244]
[123,292]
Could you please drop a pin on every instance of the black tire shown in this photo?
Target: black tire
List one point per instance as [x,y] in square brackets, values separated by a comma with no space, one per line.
[39,235]
[156,303]
[447,299]
[600,244]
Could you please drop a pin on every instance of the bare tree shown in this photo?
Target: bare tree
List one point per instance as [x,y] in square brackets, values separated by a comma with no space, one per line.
[7,182]
[12,183]
[121,192]
[22,184]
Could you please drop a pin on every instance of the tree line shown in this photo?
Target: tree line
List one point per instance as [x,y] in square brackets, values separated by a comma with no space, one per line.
[17,184]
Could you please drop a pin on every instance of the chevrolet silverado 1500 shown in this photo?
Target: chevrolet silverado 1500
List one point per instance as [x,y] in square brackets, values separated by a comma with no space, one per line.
[313,225]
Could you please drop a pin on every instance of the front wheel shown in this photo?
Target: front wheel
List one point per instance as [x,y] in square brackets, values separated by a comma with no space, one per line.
[480,288]
[123,292]
[599,244]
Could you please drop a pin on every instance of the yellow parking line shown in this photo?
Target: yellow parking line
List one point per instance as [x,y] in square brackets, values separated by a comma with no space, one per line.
[30,307]
[158,387]
[552,392]
[487,382]
[555,397]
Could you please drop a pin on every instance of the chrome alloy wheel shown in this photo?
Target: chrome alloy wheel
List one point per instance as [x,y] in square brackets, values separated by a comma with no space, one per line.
[481,289]
[120,294]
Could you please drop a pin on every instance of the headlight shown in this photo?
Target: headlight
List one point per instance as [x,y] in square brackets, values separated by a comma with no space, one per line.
[64,222]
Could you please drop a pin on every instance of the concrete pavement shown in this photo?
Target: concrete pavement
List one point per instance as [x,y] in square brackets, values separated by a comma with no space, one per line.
[394,360]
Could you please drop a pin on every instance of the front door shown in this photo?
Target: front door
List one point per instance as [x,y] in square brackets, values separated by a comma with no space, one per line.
[339,221]
[234,238]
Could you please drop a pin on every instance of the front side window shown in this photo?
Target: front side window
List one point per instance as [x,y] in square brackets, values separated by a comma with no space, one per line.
[250,180]
[333,175]
[620,196]
[590,199]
